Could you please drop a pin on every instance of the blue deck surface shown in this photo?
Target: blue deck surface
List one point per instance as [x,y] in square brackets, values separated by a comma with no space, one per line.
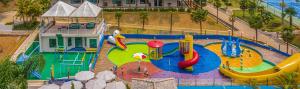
[208,60]
[224,87]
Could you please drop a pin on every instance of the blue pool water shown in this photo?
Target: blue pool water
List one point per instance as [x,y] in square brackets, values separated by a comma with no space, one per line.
[208,60]
[290,3]
[224,87]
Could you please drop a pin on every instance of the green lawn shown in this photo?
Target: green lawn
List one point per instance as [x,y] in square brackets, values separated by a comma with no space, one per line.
[120,57]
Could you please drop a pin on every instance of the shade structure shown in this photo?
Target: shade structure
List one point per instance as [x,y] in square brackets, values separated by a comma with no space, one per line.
[86,9]
[95,84]
[106,75]
[84,75]
[49,86]
[68,85]
[59,9]
[116,85]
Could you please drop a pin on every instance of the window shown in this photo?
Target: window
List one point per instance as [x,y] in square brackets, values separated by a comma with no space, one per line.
[93,1]
[116,1]
[69,41]
[75,1]
[143,1]
[130,1]
[93,43]
[52,43]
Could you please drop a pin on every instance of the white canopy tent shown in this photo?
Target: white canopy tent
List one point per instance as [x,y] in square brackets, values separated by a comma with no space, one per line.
[59,9]
[86,9]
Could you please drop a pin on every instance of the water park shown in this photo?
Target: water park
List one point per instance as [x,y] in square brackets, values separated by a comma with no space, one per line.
[81,50]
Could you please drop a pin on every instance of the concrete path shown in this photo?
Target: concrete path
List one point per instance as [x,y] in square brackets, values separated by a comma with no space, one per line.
[246,31]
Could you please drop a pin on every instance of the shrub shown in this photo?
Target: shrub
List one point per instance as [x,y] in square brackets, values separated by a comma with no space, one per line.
[275,23]
[26,26]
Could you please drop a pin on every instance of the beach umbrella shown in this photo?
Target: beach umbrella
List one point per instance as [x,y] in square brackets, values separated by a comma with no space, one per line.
[139,56]
[68,85]
[116,85]
[49,86]
[95,84]
[84,75]
[106,75]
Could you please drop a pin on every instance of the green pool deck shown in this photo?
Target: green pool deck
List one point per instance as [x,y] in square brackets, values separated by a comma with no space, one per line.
[119,57]
[60,70]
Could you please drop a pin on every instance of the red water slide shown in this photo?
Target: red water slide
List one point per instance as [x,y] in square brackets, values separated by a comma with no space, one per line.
[190,62]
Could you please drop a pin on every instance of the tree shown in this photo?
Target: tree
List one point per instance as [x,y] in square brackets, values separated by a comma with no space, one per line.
[118,16]
[291,12]
[256,23]
[45,5]
[171,21]
[267,17]
[252,7]
[232,20]
[199,16]
[144,18]
[217,4]
[288,80]
[15,76]
[243,6]
[288,36]
[283,6]
[201,3]
[261,9]
[31,9]
[226,3]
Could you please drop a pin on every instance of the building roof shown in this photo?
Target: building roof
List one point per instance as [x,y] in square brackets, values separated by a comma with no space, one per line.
[155,44]
[59,9]
[86,9]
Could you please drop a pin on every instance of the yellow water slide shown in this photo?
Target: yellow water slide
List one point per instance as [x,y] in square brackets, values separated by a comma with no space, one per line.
[288,65]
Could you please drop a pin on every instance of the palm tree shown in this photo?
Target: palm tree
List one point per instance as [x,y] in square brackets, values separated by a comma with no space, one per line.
[291,12]
[256,23]
[201,3]
[252,7]
[118,16]
[283,6]
[143,17]
[243,6]
[288,36]
[199,16]
[261,9]
[288,80]
[171,21]
[267,17]
[232,20]
[217,4]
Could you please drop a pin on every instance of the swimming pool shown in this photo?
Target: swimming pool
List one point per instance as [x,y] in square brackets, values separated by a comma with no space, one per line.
[289,3]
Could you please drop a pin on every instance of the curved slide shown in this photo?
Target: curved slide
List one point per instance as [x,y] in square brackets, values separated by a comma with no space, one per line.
[120,44]
[288,65]
[190,62]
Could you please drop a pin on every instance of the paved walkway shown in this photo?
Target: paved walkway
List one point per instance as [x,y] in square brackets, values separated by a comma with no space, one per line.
[245,30]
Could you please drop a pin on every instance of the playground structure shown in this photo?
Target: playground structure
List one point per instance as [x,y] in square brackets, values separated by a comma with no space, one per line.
[191,56]
[231,48]
[116,39]
[155,49]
